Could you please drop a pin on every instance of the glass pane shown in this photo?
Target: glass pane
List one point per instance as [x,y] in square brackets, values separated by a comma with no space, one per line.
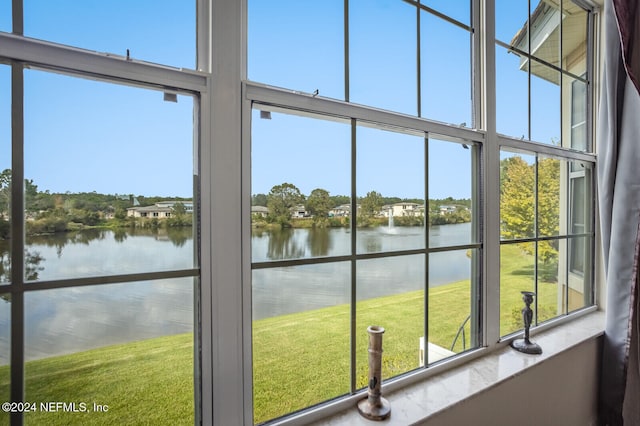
[551,296]
[545,31]
[517,196]
[301,344]
[5,16]
[297,45]
[552,202]
[390,188]
[5,174]
[5,352]
[451,329]
[574,38]
[382,55]
[444,43]
[512,94]
[545,104]
[511,20]
[517,274]
[458,10]
[109,178]
[164,33]
[579,276]
[581,197]
[574,113]
[450,188]
[390,294]
[108,346]
[301,178]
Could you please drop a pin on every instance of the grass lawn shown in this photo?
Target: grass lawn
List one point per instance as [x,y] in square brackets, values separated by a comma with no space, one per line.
[299,359]
[148,382]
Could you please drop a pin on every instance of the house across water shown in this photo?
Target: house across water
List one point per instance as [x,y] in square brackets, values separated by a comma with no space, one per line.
[160,210]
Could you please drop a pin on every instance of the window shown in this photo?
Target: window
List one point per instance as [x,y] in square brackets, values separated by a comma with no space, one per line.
[371,207]
[97,286]
[383,260]
[163,34]
[352,163]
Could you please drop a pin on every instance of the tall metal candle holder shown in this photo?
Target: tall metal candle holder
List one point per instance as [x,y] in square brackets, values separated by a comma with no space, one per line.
[374,406]
[525,345]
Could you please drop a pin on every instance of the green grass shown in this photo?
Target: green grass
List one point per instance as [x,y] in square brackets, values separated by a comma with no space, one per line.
[299,359]
[148,382]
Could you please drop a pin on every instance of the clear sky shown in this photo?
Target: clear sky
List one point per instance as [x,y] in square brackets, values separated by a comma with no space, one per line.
[83,135]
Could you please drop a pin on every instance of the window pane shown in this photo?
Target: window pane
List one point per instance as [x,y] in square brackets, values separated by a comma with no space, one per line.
[574,111]
[512,94]
[297,45]
[162,33]
[551,291]
[511,19]
[5,352]
[517,274]
[552,202]
[109,178]
[574,38]
[444,43]
[301,343]
[5,16]
[390,294]
[545,104]
[451,302]
[450,188]
[111,345]
[545,32]
[579,277]
[5,174]
[517,196]
[301,179]
[390,187]
[458,10]
[382,55]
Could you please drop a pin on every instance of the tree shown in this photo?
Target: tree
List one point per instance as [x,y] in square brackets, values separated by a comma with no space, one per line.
[517,203]
[371,204]
[259,200]
[280,200]
[319,204]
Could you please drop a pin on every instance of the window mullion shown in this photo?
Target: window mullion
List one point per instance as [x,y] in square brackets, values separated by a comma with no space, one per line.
[491,178]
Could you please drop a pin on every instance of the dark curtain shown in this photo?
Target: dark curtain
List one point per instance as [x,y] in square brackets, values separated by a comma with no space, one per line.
[618,142]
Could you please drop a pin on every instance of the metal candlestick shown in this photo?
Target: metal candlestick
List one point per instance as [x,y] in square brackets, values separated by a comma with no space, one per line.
[525,345]
[374,406]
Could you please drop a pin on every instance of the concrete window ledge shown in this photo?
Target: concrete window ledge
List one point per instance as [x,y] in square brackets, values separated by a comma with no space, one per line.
[506,387]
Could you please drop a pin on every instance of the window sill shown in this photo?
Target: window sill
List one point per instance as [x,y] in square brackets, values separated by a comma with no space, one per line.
[418,402]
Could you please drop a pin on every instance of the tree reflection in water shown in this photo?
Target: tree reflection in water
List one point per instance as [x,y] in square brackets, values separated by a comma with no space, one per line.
[33,260]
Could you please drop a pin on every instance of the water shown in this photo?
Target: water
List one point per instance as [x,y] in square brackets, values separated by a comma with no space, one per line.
[284,290]
[73,319]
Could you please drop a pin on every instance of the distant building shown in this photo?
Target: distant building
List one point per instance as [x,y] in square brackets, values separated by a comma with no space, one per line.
[447,209]
[260,210]
[341,210]
[299,212]
[160,210]
[402,209]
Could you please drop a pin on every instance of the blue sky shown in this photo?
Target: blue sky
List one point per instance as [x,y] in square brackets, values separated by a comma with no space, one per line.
[84,135]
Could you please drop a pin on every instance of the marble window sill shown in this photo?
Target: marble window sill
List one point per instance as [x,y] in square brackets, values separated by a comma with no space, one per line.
[419,401]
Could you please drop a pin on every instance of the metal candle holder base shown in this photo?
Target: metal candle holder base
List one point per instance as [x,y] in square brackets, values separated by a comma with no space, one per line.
[525,345]
[374,406]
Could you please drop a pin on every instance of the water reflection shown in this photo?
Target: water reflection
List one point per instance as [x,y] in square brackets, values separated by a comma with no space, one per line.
[99,252]
[283,246]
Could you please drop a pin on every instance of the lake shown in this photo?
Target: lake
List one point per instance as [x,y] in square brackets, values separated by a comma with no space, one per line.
[79,318]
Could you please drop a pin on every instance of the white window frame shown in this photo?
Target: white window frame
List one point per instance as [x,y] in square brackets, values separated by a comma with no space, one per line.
[225,96]
[492,142]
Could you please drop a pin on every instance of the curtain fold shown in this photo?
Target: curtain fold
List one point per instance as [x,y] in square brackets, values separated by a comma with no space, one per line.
[618,142]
